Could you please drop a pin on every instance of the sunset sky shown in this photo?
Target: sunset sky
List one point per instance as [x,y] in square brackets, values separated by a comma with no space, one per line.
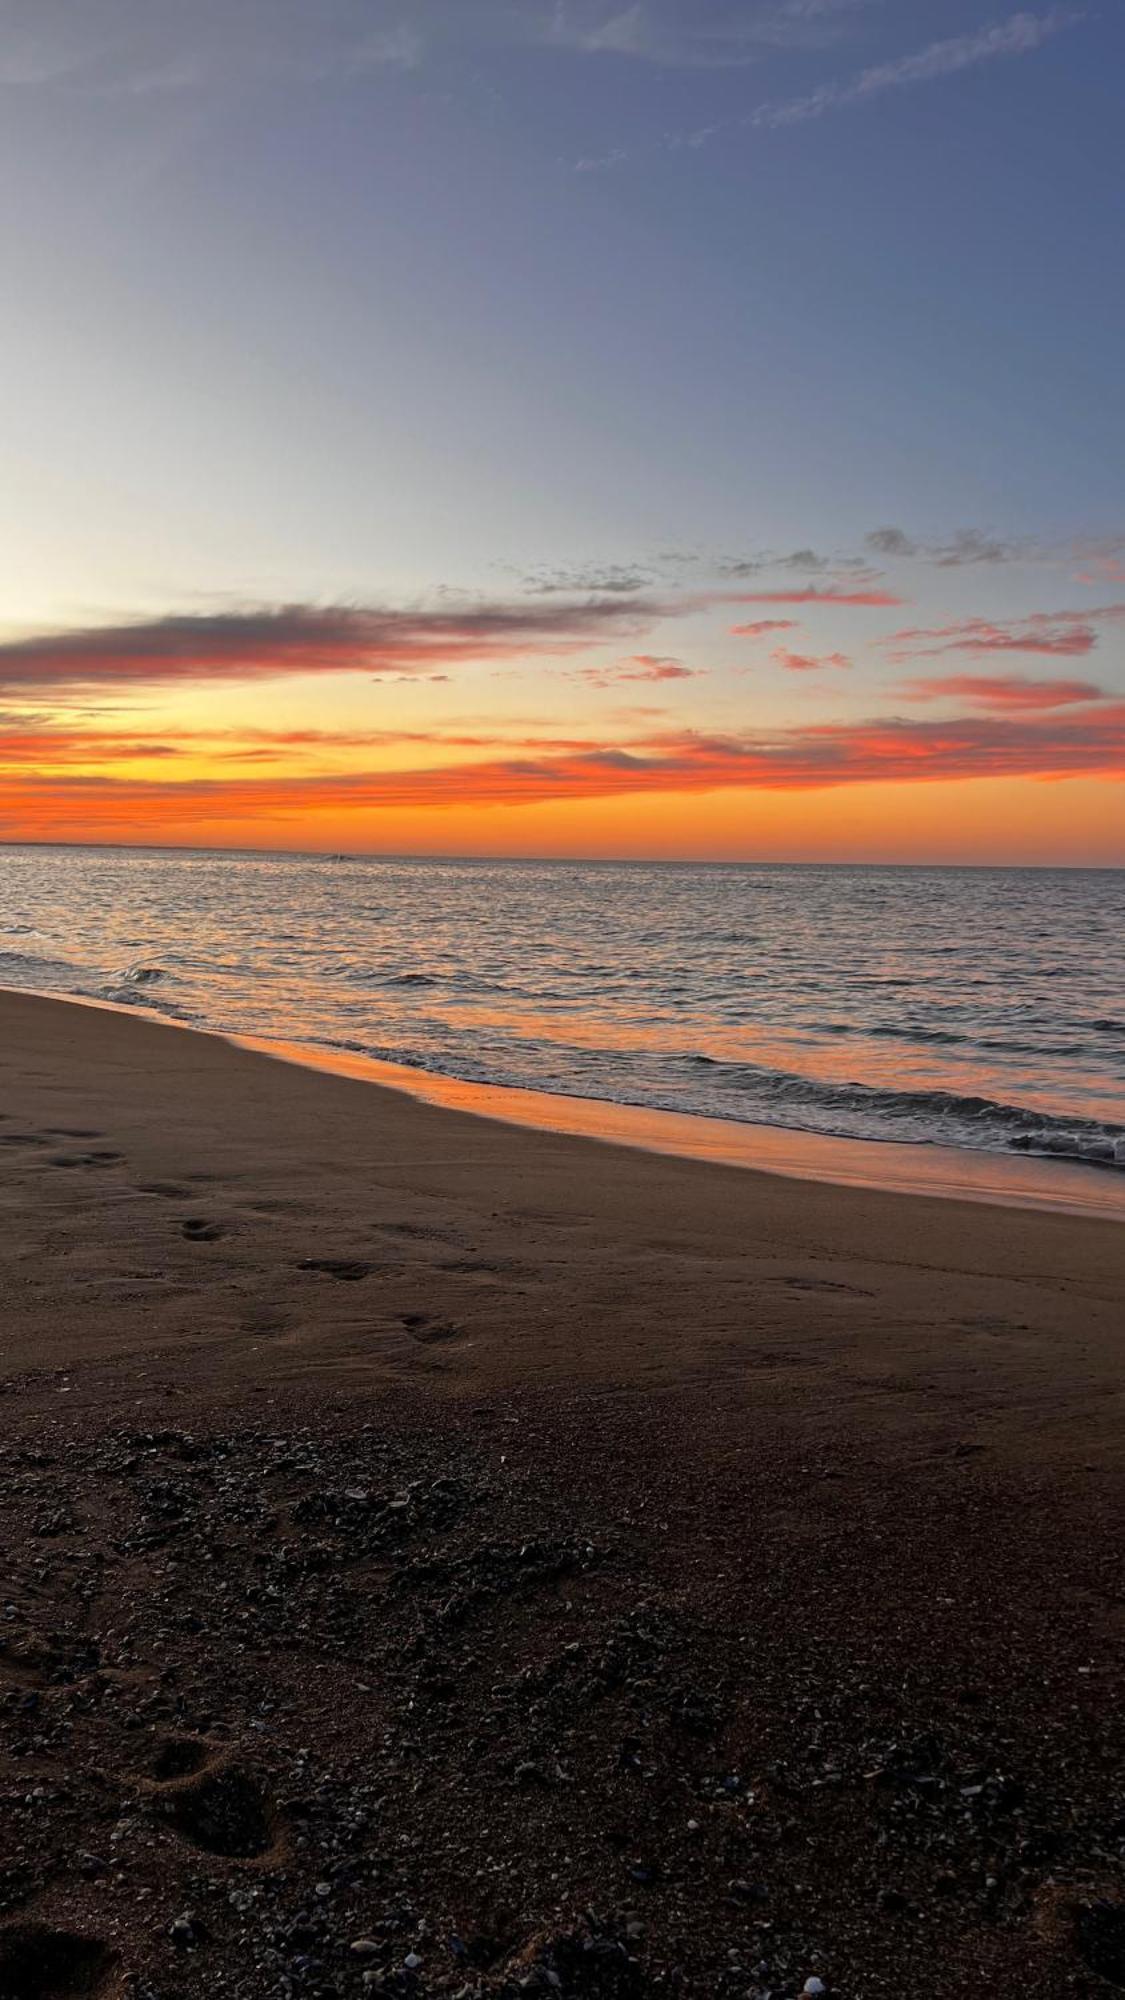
[691,428]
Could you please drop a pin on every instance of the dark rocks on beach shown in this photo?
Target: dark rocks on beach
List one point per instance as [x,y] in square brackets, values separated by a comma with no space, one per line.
[339,1712]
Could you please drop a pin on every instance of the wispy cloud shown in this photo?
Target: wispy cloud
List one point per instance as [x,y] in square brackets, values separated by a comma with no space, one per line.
[1059,634]
[695,34]
[1021,34]
[598,579]
[967,548]
[1003,693]
[266,644]
[137,48]
[759,627]
[806,562]
[639,667]
[873,599]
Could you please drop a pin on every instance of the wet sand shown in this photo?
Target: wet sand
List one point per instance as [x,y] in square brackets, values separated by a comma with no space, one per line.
[581,1565]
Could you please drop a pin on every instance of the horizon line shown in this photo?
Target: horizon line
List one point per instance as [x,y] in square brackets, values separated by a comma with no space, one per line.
[555,860]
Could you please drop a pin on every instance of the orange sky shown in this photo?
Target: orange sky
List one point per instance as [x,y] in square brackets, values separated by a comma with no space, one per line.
[522,727]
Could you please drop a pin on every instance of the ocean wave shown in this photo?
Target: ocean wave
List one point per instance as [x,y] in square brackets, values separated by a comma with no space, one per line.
[142,975]
[939,1116]
[20,964]
[910,1031]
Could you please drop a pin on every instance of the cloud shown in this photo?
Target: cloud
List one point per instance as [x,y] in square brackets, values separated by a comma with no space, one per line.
[44,745]
[293,639]
[876,599]
[891,542]
[760,626]
[609,580]
[1005,692]
[640,667]
[806,663]
[1020,34]
[967,548]
[141,48]
[812,758]
[695,34]
[808,561]
[1058,634]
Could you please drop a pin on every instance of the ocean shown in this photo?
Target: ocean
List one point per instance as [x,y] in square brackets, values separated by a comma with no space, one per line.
[980,1008]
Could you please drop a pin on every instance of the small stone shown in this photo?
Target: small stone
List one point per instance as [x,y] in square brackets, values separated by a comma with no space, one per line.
[412,1961]
[814,1985]
[363,1947]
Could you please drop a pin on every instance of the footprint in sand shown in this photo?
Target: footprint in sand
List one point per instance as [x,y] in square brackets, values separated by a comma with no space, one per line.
[38,1963]
[103,1157]
[348,1269]
[197,1229]
[429,1331]
[211,1801]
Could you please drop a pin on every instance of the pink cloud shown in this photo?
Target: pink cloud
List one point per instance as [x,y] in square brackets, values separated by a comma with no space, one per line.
[639,667]
[807,663]
[762,626]
[1005,692]
[303,639]
[1058,634]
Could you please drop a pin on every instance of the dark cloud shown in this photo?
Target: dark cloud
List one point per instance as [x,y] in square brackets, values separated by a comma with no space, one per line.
[808,561]
[297,639]
[831,594]
[967,547]
[890,542]
[612,580]
[970,547]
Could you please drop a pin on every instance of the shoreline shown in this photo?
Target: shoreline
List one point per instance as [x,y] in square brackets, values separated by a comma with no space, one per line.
[886,1165]
[923,1168]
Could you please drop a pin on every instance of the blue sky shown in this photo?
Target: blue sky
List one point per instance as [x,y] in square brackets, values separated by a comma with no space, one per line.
[313,301]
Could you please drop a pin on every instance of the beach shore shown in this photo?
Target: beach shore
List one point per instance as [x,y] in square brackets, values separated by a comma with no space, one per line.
[434,1539]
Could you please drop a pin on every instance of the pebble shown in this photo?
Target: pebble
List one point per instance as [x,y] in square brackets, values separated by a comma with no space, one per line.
[183,1932]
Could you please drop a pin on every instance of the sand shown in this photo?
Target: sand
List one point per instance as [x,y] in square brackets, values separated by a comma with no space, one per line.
[542,1559]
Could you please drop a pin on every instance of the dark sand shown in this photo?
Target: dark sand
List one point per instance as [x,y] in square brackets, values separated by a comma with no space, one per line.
[539,1560]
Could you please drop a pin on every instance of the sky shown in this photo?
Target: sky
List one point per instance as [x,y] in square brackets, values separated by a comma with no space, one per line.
[688,429]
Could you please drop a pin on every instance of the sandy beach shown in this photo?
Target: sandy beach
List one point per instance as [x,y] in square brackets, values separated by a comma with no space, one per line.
[444,1556]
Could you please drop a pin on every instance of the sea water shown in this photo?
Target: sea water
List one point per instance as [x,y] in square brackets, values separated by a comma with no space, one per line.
[979,1007]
